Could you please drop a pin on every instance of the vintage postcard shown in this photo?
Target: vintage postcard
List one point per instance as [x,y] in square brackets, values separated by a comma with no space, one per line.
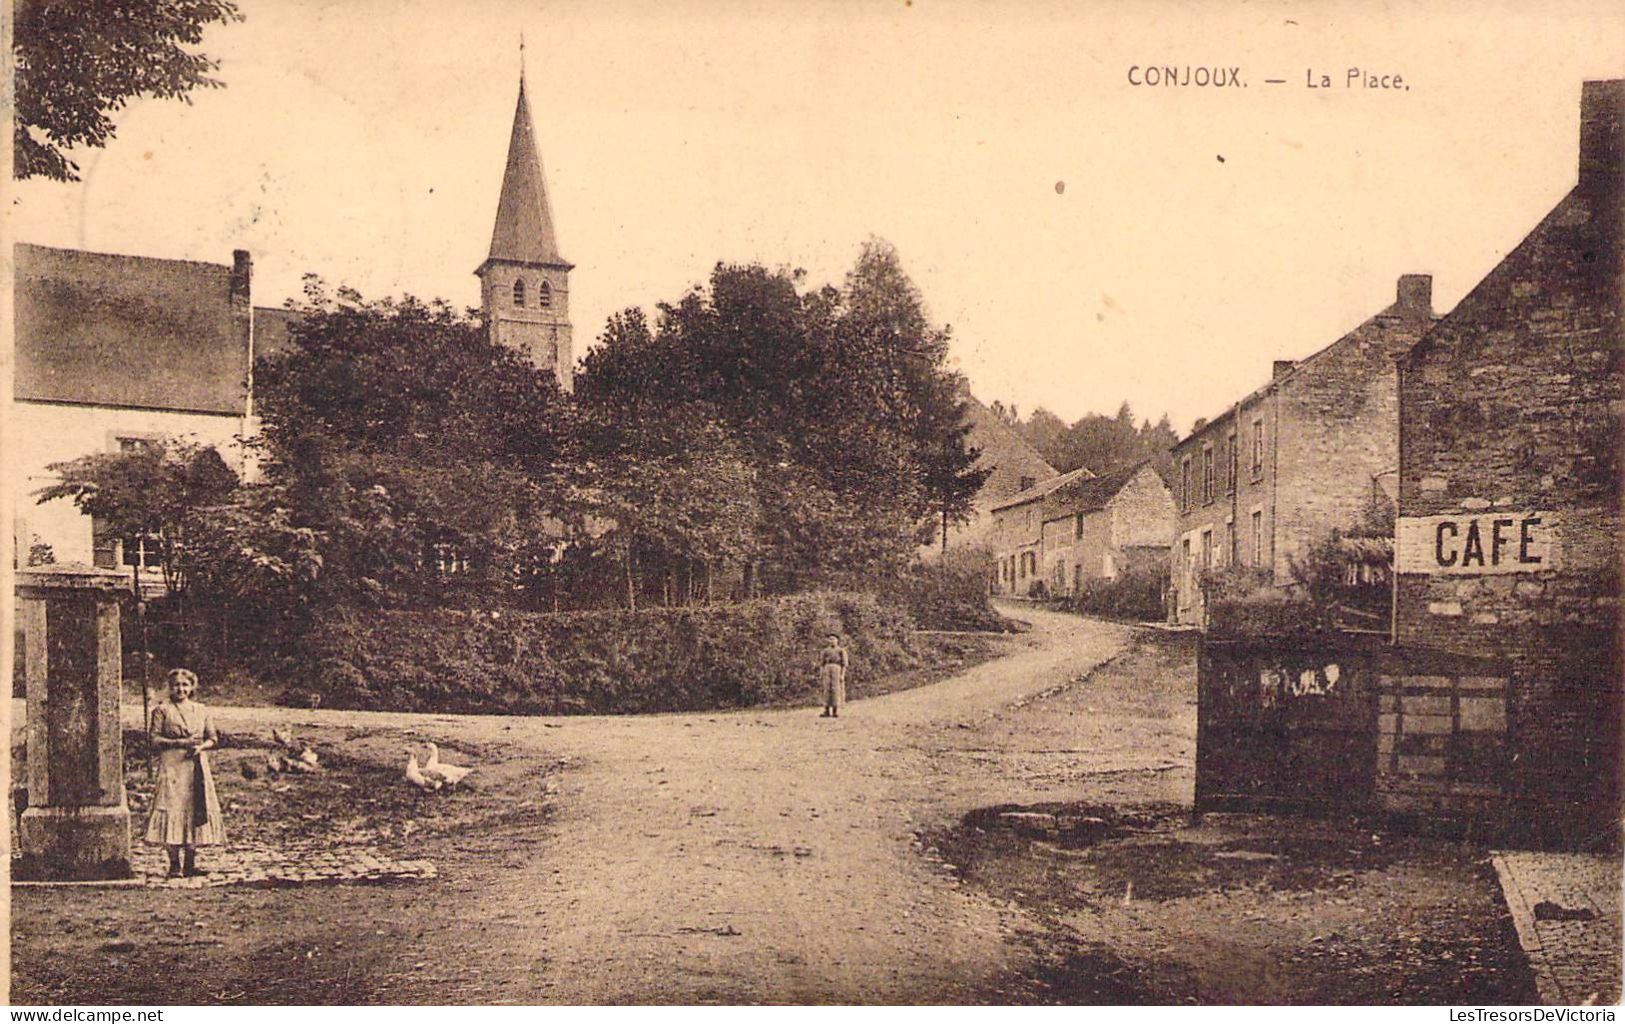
[833,502]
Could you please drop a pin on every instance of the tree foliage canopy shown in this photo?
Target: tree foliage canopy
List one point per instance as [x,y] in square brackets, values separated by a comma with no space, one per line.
[1100,443]
[76,62]
[837,402]
[149,493]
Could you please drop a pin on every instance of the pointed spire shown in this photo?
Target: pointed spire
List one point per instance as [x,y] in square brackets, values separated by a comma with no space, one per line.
[524,227]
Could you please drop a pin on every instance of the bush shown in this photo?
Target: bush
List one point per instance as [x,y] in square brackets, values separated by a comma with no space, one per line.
[667,659]
[1136,595]
[1268,611]
[945,595]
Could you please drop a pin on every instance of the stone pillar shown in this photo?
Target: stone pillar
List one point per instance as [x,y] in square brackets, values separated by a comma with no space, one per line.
[77,823]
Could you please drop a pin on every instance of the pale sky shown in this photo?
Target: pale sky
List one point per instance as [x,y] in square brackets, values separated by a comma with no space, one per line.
[364,140]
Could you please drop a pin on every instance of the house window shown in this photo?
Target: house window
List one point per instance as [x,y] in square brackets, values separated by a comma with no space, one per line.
[103,546]
[1258,448]
[519,292]
[1230,473]
[544,295]
[1228,555]
[141,551]
[1077,579]
[1027,482]
[1258,538]
[1207,550]
[1077,529]
[1207,474]
[1185,483]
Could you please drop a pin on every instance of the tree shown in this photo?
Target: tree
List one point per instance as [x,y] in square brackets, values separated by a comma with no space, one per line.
[677,489]
[147,495]
[76,62]
[427,459]
[838,400]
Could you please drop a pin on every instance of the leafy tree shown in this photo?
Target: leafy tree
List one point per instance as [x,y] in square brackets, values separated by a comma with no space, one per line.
[76,62]
[838,400]
[148,494]
[1099,443]
[676,490]
[427,459]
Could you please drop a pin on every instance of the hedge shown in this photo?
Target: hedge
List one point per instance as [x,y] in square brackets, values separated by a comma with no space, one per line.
[664,659]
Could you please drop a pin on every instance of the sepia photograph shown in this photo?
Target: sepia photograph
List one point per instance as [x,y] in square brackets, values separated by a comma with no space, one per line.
[814,502]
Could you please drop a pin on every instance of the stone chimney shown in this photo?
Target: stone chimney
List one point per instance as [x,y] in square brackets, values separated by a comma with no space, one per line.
[1601,104]
[242,272]
[1414,297]
[1282,368]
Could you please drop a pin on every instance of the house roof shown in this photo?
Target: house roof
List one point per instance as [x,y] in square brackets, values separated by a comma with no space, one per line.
[1003,451]
[105,329]
[1043,488]
[524,225]
[1414,301]
[1095,493]
[1576,251]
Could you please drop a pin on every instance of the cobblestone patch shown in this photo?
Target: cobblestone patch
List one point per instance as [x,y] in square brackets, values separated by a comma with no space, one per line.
[310,863]
[1566,907]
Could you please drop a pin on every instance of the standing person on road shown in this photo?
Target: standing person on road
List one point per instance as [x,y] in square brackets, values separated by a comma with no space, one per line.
[832,662]
[185,808]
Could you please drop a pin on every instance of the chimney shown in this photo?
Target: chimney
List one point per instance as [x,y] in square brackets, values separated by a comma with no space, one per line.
[1415,296]
[242,271]
[1600,107]
[1281,368]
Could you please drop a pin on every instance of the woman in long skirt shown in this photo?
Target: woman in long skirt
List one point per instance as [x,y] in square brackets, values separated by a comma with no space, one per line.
[832,662]
[185,808]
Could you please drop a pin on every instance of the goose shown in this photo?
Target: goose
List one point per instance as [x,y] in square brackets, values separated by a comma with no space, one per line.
[433,767]
[415,775]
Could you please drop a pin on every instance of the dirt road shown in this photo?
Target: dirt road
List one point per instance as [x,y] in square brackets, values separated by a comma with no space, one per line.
[769,856]
[735,857]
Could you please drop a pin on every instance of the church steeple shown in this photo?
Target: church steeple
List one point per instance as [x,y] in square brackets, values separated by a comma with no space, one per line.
[524,281]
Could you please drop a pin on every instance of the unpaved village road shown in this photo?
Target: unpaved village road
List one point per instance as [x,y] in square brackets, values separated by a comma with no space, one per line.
[754,856]
[790,830]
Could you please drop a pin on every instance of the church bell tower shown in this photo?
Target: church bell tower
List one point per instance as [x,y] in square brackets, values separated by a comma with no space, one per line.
[524,282]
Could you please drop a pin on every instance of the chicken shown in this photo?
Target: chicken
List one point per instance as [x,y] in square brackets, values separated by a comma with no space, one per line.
[308,756]
[415,775]
[434,768]
[283,740]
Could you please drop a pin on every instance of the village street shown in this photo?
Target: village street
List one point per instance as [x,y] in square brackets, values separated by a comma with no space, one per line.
[748,856]
[776,856]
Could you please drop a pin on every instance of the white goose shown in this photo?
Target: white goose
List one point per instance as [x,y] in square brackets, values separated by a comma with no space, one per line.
[415,775]
[435,768]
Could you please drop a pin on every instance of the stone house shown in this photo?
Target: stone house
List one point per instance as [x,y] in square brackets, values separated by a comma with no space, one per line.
[1016,537]
[1014,467]
[1295,459]
[112,352]
[1100,528]
[1507,542]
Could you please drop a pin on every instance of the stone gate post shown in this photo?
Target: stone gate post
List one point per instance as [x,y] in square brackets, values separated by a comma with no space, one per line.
[77,823]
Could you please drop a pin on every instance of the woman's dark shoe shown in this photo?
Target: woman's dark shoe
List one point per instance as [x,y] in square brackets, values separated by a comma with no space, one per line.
[192,870]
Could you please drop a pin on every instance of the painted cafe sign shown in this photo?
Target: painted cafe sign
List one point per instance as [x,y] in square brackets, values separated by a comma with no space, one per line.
[1476,543]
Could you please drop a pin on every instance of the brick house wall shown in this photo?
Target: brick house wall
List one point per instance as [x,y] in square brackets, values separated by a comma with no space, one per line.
[1305,450]
[113,350]
[1090,524]
[1339,423]
[1011,462]
[1511,408]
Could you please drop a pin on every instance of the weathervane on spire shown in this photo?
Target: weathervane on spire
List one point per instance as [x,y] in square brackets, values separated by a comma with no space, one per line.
[521,54]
